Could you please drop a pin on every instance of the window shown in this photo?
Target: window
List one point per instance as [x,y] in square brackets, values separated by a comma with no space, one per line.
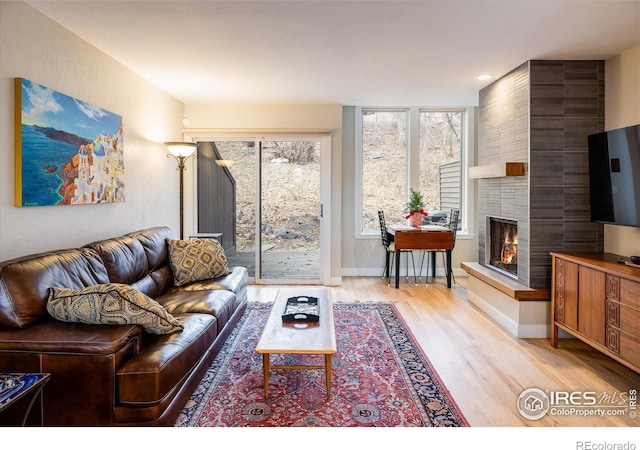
[384,164]
[440,158]
[400,148]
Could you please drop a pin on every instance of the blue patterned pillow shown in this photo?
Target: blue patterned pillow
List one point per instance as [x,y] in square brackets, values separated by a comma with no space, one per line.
[110,304]
[195,260]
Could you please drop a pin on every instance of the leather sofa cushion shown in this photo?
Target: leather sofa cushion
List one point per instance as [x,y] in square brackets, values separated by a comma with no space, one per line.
[153,240]
[25,282]
[160,278]
[236,281]
[166,360]
[140,258]
[124,257]
[219,303]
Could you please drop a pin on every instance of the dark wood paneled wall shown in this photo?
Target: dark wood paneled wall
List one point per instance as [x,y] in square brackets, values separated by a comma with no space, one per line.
[541,113]
[216,196]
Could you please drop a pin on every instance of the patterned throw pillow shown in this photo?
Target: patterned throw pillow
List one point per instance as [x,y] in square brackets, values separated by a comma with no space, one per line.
[110,304]
[197,259]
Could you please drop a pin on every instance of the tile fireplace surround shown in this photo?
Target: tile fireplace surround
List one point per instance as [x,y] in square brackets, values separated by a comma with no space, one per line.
[539,114]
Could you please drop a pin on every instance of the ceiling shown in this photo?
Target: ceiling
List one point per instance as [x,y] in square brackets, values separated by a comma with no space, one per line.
[369,53]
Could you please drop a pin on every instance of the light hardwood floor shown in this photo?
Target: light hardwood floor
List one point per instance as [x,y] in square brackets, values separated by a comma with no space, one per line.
[485,368]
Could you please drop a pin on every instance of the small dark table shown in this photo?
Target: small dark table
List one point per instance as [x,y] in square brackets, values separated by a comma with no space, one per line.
[15,386]
[426,237]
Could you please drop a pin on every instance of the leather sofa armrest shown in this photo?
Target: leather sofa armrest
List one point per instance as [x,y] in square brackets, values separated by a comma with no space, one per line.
[82,360]
[64,337]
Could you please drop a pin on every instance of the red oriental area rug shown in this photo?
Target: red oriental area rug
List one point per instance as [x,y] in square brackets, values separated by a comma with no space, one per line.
[381,378]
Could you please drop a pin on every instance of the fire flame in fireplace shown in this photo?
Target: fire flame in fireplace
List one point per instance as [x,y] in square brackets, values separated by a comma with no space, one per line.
[509,248]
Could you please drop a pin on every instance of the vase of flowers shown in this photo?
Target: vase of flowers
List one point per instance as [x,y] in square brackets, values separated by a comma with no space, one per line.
[415,208]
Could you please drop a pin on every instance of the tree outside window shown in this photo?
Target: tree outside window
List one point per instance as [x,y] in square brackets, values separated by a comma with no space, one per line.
[384,165]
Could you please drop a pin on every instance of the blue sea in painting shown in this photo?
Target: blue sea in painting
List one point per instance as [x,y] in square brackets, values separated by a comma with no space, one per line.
[39,187]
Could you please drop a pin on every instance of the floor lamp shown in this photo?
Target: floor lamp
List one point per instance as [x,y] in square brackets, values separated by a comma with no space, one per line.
[181,151]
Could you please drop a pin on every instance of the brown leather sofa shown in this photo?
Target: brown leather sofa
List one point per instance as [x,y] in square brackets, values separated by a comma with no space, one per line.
[106,375]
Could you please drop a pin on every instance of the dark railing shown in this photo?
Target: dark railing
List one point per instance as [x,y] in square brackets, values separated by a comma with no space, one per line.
[216,196]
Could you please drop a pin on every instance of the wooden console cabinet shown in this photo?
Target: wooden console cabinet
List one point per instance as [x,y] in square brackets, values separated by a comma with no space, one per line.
[597,300]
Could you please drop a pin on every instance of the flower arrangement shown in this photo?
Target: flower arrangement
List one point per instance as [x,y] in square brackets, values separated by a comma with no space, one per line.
[415,204]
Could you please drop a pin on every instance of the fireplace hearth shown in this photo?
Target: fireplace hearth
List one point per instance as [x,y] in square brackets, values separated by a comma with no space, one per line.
[502,238]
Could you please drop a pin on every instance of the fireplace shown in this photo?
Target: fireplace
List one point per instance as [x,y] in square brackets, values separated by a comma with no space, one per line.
[502,239]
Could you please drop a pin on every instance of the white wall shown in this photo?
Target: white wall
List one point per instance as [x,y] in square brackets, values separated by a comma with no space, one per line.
[36,48]
[622,109]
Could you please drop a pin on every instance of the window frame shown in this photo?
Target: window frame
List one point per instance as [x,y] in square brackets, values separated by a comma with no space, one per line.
[412,175]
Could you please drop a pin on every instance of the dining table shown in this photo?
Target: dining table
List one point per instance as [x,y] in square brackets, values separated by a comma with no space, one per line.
[431,238]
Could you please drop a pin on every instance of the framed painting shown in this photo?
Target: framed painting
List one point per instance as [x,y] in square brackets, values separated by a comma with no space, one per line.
[68,152]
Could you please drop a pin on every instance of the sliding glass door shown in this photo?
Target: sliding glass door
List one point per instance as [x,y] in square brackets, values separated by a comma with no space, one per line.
[290,210]
[270,189]
[226,191]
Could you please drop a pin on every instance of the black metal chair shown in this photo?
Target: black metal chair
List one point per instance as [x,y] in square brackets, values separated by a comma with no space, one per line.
[454,218]
[390,251]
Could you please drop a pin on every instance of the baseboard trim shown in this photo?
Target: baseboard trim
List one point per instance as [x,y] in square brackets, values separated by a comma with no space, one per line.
[511,325]
[377,272]
[494,313]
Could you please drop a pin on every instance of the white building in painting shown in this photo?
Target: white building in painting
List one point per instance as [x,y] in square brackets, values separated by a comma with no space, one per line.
[100,176]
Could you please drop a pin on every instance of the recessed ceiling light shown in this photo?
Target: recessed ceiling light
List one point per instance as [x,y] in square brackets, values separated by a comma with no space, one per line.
[484,77]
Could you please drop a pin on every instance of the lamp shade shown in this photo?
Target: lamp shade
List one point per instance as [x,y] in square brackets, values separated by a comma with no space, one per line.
[183,149]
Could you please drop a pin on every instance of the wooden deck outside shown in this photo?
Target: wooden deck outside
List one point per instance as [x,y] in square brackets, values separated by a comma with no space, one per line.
[291,264]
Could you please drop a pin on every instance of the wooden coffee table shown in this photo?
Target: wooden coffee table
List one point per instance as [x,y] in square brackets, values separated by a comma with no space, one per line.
[305,338]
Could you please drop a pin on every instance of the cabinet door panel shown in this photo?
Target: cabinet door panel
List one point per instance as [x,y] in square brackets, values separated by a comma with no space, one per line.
[630,348]
[558,291]
[566,293]
[571,295]
[630,293]
[630,320]
[591,304]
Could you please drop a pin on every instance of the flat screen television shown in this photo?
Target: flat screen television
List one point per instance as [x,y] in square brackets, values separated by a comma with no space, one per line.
[614,176]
